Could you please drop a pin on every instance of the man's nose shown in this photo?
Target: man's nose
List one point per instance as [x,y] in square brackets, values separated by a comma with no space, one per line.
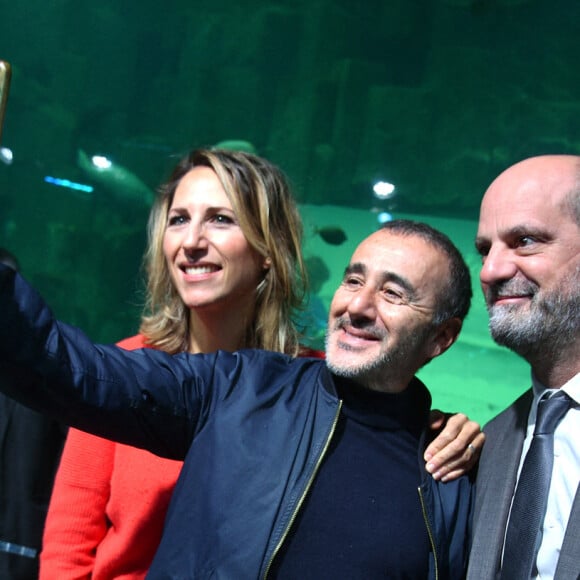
[362,303]
[498,265]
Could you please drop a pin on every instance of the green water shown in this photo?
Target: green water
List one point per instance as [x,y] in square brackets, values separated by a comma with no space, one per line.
[434,96]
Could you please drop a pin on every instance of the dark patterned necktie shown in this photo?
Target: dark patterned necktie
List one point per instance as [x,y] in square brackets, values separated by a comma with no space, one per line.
[529,506]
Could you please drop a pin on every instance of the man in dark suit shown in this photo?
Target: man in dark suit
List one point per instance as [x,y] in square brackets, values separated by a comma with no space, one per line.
[529,240]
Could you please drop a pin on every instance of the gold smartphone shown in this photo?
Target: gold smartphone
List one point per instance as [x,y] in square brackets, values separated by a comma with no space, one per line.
[5,73]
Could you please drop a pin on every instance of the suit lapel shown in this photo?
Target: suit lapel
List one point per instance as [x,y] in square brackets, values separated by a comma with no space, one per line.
[496,481]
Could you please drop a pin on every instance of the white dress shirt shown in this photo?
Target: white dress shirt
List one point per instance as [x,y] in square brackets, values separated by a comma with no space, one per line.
[565,475]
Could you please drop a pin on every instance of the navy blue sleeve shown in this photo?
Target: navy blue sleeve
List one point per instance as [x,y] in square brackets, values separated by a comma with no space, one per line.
[144,398]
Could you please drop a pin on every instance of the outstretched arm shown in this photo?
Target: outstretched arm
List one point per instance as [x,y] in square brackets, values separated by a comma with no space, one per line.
[456,450]
[136,398]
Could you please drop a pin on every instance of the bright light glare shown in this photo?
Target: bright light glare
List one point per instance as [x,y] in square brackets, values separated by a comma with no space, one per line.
[101,162]
[69,184]
[383,189]
[6,155]
[384,217]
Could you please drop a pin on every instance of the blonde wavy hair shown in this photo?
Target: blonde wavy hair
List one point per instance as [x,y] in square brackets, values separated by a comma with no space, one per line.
[269,218]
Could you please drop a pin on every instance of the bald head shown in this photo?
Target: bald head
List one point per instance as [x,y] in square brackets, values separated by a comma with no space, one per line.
[551,180]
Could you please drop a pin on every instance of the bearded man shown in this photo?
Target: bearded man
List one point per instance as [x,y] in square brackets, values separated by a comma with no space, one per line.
[527,484]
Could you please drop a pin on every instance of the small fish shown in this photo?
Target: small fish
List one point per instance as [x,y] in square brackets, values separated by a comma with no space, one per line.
[332,235]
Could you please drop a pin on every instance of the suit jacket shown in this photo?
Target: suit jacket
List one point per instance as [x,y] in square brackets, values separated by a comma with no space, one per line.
[496,481]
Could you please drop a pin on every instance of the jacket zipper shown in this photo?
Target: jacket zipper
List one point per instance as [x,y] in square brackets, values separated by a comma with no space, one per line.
[429,532]
[305,492]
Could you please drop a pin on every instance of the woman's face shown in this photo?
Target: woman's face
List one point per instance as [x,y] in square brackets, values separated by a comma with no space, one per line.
[209,259]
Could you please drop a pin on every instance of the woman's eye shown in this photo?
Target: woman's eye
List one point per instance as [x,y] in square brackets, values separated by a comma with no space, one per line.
[176,220]
[221,218]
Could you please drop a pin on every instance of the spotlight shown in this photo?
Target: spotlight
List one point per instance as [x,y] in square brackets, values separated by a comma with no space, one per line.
[383,189]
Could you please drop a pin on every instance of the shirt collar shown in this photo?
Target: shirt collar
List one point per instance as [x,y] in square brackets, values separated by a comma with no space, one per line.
[571,388]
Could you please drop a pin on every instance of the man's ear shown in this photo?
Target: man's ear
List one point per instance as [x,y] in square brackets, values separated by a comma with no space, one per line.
[445,335]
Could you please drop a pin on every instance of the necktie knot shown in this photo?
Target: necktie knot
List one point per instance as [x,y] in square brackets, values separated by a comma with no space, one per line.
[550,412]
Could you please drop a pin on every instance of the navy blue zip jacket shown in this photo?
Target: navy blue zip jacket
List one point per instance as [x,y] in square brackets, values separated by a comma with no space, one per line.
[252,427]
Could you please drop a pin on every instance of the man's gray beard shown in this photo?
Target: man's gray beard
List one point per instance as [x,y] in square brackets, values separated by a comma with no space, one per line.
[551,323]
[384,369]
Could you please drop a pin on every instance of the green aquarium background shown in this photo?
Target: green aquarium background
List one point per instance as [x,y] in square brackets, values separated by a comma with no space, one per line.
[435,97]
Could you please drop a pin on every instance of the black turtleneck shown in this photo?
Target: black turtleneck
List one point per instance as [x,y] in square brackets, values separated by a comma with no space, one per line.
[362,517]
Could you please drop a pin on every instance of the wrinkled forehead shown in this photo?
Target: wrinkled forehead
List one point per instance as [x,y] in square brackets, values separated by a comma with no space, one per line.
[384,253]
